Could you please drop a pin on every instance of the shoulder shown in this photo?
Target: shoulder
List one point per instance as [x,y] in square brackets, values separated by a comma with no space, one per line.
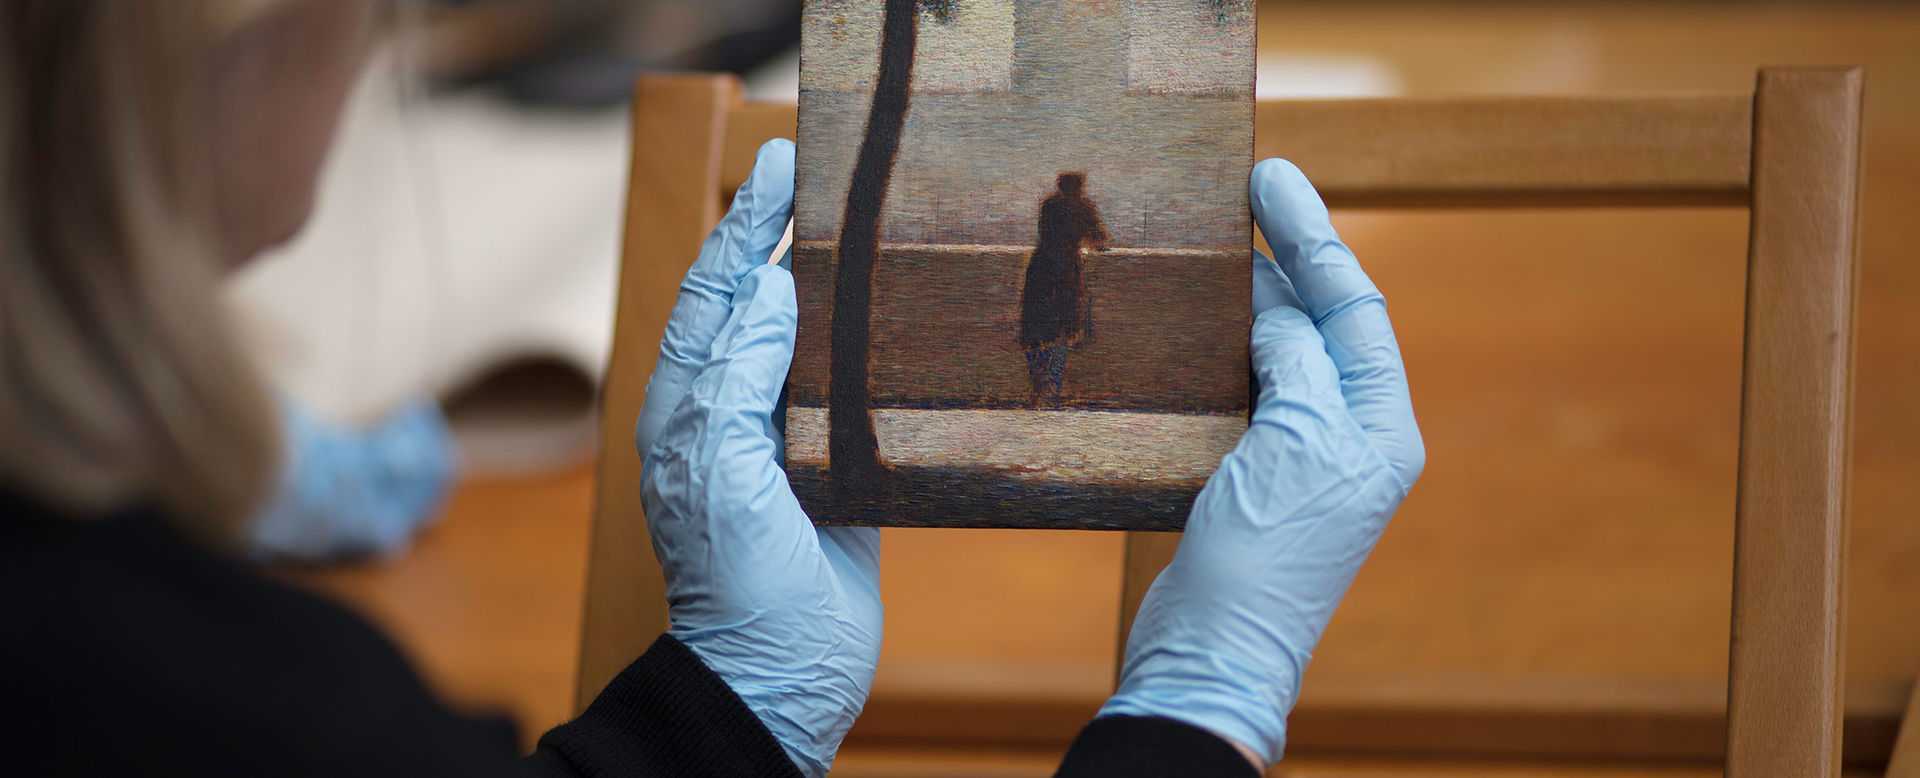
[120,574]
[125,640]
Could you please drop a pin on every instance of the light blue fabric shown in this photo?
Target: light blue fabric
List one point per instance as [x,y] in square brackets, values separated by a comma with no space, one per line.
[787,614]
[347,492]
[1280,531]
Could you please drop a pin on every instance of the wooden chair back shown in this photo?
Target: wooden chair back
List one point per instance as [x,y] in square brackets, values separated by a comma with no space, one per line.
[1904,762]
[1789,151]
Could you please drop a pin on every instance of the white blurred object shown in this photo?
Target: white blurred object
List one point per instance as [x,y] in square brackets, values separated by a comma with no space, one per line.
[452,236]
[777,80]
[1312,76]
[1278,75]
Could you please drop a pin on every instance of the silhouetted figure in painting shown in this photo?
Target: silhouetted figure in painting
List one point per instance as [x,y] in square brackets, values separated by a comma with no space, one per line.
[1053,304]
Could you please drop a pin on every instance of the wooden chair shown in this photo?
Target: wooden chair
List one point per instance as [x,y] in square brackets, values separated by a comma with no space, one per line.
[1904,762]
[1790,151]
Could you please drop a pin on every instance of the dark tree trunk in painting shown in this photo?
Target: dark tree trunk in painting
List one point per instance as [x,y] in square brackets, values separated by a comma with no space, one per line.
[853,452]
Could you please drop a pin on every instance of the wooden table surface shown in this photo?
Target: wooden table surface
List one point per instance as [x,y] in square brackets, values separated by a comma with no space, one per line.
[1576,375]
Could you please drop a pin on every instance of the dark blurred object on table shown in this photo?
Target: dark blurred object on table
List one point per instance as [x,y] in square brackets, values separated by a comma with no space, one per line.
[586,53]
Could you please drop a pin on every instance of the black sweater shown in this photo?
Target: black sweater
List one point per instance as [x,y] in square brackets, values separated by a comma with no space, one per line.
[126,649]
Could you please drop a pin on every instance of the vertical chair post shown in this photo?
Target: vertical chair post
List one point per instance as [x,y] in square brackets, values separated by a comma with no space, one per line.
[673,199]
[1784,691]
[1905,761]
[1147,554]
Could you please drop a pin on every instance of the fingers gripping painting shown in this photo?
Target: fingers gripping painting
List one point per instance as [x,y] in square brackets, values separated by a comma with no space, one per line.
[1021,250]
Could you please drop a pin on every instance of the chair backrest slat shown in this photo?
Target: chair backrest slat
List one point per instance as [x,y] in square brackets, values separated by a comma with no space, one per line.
[1658,150]
[1531,151]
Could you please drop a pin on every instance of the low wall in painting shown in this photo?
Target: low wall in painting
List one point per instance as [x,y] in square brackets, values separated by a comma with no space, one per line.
[1169,329]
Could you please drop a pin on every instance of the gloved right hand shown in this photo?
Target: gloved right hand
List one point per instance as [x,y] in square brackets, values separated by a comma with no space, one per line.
[1281,529]
[788,614]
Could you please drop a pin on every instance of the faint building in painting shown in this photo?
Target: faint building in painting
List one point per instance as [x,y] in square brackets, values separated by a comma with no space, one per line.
[1003,101]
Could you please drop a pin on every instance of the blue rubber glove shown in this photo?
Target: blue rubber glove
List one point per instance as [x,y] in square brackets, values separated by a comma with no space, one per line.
[351,492]
[1281,529]
[786,613]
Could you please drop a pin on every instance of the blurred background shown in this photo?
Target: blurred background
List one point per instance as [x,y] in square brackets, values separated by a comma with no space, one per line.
[1576,374]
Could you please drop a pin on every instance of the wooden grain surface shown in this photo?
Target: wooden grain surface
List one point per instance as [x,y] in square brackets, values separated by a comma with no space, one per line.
[673,200]
[1790,526]
[1905,761]
[1511,150]
[1147,553]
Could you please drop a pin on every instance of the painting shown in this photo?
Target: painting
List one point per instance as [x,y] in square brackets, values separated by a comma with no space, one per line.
[1021,246]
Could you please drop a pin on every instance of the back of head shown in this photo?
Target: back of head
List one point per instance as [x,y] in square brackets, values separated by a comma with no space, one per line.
[119,380]
[1070,183]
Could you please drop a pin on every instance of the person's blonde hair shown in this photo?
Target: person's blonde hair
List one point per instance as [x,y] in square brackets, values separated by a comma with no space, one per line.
[120,382]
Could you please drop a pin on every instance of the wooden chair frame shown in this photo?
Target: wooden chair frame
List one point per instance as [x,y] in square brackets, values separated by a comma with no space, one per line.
[1904,762]
[1790,151]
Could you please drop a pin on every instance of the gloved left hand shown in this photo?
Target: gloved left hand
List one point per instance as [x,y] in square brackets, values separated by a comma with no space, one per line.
[347,492]
[786,613]
[1281,529]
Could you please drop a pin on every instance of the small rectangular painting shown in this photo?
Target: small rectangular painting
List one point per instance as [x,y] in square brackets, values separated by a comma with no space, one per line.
[1021,250]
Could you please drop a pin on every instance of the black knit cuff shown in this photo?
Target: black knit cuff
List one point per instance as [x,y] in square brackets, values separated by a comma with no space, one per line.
[666,714]
[1151,746]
